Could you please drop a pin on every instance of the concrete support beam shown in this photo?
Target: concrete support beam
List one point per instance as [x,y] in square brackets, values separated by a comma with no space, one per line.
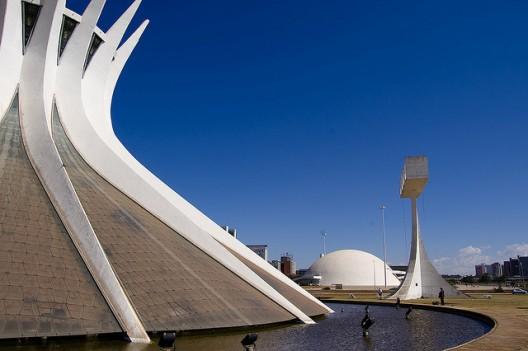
[37,86]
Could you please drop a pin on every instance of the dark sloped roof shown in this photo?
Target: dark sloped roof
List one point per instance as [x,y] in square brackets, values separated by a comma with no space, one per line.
[45,287]
[172,284]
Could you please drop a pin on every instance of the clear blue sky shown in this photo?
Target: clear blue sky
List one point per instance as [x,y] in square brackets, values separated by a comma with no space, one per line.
[283,118]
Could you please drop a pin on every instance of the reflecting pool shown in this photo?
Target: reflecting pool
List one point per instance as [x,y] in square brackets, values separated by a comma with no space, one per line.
[425,330]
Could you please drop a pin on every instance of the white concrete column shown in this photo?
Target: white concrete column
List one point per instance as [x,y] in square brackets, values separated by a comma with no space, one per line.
[37,87]
[10,51]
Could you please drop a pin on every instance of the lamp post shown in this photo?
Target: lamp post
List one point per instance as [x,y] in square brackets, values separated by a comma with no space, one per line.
[323,237]
[521,269]
[374,270]
[382,208]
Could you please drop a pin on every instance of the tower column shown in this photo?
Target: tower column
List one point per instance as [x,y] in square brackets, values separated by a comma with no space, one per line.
[422,279]
[415,226]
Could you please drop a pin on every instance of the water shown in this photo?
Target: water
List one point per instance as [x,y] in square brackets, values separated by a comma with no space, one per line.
[425,330]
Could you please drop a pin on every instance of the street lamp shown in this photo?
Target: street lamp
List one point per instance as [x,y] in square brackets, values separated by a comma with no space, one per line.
[323,237]
[521,269]
[382,208]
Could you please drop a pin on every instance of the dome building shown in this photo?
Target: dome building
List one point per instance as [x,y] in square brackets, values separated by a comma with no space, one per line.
[350,268]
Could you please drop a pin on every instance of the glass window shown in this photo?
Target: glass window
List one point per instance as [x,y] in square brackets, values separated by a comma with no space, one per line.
[68,26]
[30,13]
[94,45]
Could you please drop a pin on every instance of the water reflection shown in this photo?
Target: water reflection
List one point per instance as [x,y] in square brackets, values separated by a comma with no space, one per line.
[425,330]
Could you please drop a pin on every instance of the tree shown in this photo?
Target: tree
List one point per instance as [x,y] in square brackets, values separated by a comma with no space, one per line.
[467,279]
[500,280]
[485,278]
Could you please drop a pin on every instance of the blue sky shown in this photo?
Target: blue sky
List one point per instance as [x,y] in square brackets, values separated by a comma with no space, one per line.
[283,118]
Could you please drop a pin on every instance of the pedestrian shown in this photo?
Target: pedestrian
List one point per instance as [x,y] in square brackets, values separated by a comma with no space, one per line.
[380,293]
[441,295]
[398,302]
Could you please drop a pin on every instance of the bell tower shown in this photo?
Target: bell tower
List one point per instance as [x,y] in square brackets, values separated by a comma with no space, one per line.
[422,279]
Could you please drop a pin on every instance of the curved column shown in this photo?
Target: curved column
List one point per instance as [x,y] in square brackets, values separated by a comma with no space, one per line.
[37,85]
[411,287]
[117,169]
[10,51]
[102,66]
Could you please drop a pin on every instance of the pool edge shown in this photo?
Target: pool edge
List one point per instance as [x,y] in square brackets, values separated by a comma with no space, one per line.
[485,318]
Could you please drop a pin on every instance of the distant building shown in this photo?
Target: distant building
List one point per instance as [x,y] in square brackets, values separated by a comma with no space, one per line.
[515,267]
[261,250]
[524,266]
[506,269]
[495,270]
[480,270]
[276,264]
[287,265]
[231,231]
[301,272]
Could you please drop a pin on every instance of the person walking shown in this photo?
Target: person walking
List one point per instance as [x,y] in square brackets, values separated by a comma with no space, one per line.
[441,295]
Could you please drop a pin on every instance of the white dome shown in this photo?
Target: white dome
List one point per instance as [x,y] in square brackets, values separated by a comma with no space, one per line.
[351,268]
